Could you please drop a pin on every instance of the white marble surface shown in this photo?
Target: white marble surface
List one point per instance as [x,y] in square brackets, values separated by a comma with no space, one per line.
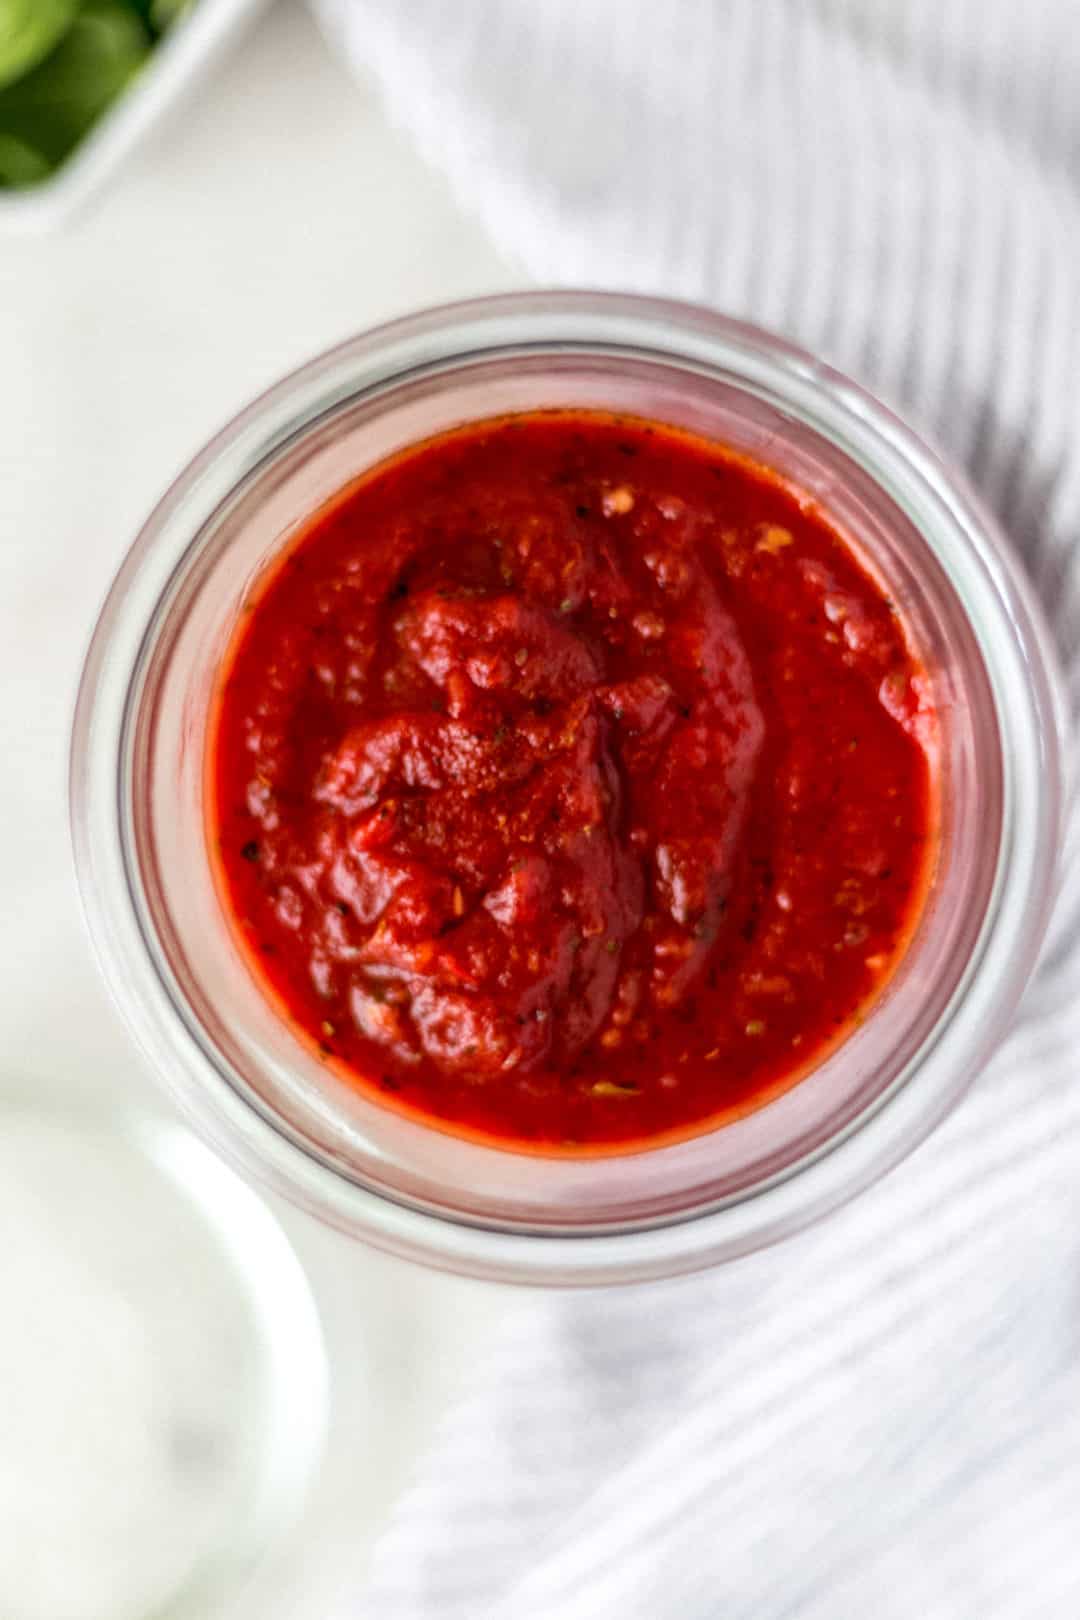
[277,213]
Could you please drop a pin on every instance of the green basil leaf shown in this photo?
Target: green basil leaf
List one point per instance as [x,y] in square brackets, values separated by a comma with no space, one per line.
[52,107]
[21,165]
[28,31]
[163,13]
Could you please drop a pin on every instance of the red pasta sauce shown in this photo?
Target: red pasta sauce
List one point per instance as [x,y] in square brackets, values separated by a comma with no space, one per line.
[572,784]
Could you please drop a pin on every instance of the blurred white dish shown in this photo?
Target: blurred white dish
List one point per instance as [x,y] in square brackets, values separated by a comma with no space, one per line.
[175,67]
[164,1408]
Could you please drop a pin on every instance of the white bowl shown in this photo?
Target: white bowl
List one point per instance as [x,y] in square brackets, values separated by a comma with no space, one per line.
[197,1371]
[174,68]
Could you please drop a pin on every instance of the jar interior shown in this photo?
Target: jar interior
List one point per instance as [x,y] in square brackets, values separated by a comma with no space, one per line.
[240,1032]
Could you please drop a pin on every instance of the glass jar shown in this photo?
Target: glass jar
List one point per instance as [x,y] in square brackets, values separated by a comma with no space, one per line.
[246,1081]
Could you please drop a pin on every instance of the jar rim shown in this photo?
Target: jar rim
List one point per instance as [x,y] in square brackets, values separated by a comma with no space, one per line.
[1020,666]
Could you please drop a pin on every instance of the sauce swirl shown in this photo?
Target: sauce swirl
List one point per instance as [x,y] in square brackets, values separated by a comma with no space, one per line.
[572,783]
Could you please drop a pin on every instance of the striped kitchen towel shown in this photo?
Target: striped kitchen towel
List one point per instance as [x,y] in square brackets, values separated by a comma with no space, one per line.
[882,1416]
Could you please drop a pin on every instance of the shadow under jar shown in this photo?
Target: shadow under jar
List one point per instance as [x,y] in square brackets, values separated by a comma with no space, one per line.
[262,1094]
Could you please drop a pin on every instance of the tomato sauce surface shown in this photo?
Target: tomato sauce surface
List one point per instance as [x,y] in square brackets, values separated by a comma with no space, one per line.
[571,783]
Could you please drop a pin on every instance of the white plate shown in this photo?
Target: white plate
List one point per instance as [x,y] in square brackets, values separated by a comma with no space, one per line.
[176,65]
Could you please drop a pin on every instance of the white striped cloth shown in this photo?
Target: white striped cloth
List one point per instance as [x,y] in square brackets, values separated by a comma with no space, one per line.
[882,1416]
